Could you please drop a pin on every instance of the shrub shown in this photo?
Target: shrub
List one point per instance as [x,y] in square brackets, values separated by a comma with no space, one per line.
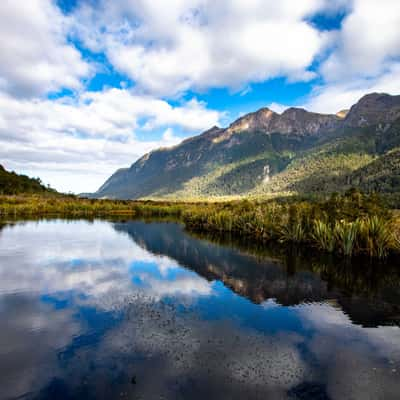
[346,236]
[376,236]
[293,233]
[323,236]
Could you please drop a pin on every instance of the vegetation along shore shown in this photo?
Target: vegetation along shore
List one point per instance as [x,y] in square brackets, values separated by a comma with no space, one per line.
[350,224]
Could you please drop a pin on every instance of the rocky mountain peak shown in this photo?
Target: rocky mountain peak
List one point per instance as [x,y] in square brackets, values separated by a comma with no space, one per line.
[373,109]
[302,122]
[259,120]
[294,112]
[293,120]
[342,114]
[212,131]
[225,161]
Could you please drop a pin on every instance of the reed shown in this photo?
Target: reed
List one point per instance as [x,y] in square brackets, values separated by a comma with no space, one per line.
[376,236]
[346,235]
[323,236]
[396,239]
[292,233]
[346,225]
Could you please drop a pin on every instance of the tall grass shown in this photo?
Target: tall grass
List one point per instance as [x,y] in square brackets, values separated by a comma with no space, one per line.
[396,239]
[323,236]
[370,235]
[346,236]
[292,233]
[376,236]
[346,225]
[71,206]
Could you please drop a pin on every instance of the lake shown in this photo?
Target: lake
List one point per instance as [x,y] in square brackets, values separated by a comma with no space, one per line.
[144,310]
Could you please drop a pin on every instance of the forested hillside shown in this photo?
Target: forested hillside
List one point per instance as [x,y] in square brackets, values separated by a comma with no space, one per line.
[266,154]
[12,183]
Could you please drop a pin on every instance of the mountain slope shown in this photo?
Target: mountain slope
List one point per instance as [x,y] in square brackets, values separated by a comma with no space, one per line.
[264,153]
[12,183]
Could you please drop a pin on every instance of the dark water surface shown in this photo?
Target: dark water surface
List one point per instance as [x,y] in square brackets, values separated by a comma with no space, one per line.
[114,310]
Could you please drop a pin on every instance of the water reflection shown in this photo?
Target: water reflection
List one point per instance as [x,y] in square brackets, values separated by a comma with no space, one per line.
[144,310]
[367,293]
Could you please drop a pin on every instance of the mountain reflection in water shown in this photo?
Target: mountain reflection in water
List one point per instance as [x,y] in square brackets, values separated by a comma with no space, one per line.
[367,293]
[146,310]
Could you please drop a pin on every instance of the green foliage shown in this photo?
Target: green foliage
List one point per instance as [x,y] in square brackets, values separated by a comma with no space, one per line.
[72,206]
[348,224]
[380,175]
[323,236]
[396,239]
[377,236]
[293,233]
[12,183]
[346,235]
[322,168]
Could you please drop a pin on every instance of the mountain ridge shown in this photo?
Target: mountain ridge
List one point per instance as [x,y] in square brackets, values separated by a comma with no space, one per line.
[244,157]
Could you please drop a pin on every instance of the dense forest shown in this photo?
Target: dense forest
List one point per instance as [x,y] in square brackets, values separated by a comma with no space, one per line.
[12,183]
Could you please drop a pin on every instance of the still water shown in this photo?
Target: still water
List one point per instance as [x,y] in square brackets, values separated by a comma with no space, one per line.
[139,310]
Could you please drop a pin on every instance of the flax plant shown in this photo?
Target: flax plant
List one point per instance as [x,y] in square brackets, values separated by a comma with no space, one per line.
[323,236]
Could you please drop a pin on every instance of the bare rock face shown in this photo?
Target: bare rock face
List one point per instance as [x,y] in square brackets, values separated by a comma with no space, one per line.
[260,120]
[342,114]
[292,121]
[301,122]
[373,109]
[263,132]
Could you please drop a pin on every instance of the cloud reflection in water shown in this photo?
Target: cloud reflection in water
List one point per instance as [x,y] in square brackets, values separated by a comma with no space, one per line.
[88,305]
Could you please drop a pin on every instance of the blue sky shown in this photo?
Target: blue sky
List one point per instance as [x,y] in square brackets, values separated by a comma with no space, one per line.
[89,86]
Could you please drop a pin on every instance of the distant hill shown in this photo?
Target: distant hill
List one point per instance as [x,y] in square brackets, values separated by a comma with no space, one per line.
[12,183]
[265,153]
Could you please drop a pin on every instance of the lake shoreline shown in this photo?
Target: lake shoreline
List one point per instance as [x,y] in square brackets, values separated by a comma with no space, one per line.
[353,224]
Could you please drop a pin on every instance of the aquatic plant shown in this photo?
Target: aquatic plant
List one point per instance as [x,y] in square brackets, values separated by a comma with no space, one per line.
[323,236]
[346,235]
[376,236]
[396,239]
[293,233]
[348,224]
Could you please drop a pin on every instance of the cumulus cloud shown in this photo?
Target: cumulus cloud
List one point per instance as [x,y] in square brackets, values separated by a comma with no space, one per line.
[354,358]
[363,56]
[163,53]
[36,57]
[277,107]
[201,44]
[78,144]
[332,97]
[368,40]
[105,265]
[48,330]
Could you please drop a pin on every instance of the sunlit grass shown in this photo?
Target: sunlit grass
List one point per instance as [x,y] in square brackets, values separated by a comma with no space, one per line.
[347,225]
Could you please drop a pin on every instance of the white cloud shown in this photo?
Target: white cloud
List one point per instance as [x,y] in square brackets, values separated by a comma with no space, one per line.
[35,55]
[108,262]
[168,135]
[335,96]
[202,43]
[77,145]
[368,40]
[277,107]
[363,57]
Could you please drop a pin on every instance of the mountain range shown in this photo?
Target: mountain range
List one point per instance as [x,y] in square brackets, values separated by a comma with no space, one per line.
[265,154]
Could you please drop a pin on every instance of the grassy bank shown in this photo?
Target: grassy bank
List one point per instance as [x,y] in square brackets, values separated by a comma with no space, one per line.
[72,206]
[348,224]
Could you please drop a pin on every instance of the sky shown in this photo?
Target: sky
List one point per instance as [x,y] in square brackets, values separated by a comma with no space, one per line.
[89,86]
